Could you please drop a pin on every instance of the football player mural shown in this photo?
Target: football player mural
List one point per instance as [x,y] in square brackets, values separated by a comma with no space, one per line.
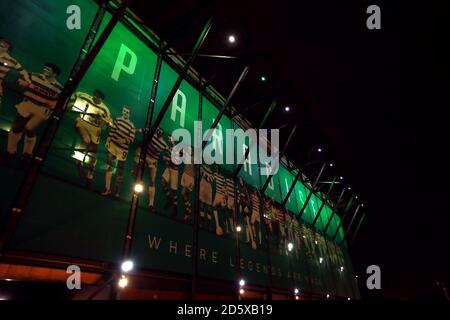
[8,63]
[206,196]
[120,136]
[268,214]
[244,212]
[297,235]
[169,180]
[41,93]
[230,211]
[154,150]
[220,202]
[255,217]
[94,115]
[187,184]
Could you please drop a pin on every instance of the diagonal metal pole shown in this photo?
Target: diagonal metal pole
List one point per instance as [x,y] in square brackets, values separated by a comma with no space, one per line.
[149,135]
[195,247]
[225,106]
[266,184]
[351,223]
[261,125]
[299,174]
[334,210]
[266,231]
[357,228]
[346,211]
[79,70]
[180,78]
[313,189]
[195,215]
[324,201]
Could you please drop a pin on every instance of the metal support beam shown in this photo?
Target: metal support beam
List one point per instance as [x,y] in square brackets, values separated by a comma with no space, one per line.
[324,202]
[195,247]
[349,204]
[266,184]
[334,210]
[299,174]
[266,231]
[203,55]
[180,78]
[357,228]
[351,223]
[225,106]
[196,210]
[312,190]
[247,152]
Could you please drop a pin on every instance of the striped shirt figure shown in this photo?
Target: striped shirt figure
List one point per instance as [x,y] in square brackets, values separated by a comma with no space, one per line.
[230,188]
[92,112]
[255,204]
[206,184]
[189,169]
[220,184]
[157,145]
[297,232]
[220,197]
[39,99]
[206,173]
[41,91]
[172,148]
[8,63]
[122,132]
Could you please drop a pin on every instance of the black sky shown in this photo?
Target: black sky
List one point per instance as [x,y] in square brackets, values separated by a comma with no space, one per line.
[372,98]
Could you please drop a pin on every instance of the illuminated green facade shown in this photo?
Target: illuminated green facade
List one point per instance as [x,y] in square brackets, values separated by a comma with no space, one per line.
[64,219]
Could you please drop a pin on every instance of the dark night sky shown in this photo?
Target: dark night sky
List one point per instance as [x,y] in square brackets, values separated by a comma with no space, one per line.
[371,97]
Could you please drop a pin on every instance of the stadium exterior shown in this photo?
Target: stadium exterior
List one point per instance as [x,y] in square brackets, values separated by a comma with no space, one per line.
[76,203]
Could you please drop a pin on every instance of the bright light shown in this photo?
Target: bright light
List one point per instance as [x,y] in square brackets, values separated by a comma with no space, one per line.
[231,39]
[342,269]
[6,128]
[80,156]
[238,228]
[1,298]
[349,188]
[296,291]
[127,266]
[320,260]
[341,177]
[315,242]
[356,197]
[241,291]
[348,299]
[356,276]
[287,109]
[290,246]
[331,164]
[319,150]
[328,295]
[242,282]
[263,78]
[296,297]
[138,187]
[304,237]
[362,204]
[123,282]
